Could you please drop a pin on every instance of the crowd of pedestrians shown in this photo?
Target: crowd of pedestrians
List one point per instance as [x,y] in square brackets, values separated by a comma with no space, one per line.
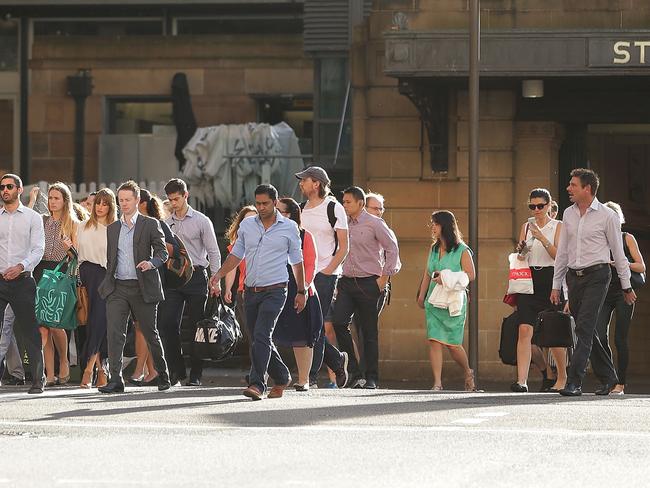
[313,277]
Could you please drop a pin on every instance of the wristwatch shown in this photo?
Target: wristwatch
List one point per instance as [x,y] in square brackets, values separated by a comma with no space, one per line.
[301,292]
[627,290]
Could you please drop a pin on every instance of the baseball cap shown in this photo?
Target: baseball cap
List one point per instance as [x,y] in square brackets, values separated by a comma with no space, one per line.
[315,173]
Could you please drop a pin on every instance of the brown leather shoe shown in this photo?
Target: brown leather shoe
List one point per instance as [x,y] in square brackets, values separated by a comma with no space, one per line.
[276,391]
[253,393]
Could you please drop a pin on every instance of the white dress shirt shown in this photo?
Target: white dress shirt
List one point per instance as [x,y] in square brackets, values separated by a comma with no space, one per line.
[588,240]
[22,239]
[197,233]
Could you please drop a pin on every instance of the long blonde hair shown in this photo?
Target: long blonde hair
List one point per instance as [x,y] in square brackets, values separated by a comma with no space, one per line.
[107,196]
[68,216]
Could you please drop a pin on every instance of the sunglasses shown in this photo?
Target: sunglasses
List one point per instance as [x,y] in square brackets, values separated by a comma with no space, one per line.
[539,206]
[10,186]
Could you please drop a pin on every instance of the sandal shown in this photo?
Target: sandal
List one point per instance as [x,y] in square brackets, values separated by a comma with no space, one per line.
[437,388]
[470,384]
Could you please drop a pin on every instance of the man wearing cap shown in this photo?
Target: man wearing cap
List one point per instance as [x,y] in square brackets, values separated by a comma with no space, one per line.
[325,219]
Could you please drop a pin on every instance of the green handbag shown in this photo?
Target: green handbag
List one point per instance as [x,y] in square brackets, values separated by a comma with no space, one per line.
[56,297]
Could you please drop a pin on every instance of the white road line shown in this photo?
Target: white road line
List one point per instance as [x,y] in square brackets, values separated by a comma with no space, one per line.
[315,428]
[492,414]
[469,421]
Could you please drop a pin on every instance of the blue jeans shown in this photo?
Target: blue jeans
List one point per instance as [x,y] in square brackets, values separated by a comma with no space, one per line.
[262,312]
[324,352]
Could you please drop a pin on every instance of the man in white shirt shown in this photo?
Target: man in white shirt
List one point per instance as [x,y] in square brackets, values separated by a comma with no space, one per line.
[325,218]
[590,232]
[22,243]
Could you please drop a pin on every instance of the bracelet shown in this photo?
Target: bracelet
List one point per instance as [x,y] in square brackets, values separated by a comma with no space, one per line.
[546,246]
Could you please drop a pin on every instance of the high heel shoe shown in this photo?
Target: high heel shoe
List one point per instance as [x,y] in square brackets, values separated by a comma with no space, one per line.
[137,381]
[470,383]
[86,380]
[62,380]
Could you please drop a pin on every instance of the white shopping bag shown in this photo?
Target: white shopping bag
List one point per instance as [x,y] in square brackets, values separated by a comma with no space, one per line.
[521,278]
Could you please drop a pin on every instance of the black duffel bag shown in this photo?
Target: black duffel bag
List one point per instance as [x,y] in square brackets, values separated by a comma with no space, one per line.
[217,337]
[509,338]
[554,329]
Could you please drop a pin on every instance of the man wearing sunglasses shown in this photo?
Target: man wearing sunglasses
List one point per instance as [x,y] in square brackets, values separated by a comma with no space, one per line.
[22,243]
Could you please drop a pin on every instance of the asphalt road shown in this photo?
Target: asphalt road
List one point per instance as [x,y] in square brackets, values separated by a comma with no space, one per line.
[213,436]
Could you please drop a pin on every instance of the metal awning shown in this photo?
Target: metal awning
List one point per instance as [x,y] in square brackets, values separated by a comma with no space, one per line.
[530,53]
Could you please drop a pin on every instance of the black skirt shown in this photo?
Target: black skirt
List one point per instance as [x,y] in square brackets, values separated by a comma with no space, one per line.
[528,306]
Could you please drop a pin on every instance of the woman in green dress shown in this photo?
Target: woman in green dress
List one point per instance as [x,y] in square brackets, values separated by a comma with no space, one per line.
[448,251]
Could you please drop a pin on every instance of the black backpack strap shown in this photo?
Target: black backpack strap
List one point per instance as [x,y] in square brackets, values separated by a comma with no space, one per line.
[331,216]
[302,205]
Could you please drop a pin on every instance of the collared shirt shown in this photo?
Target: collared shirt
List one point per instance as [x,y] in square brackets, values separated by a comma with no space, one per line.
[588,239]
[22,239]
[125,269]
[267,251]
[197,233]
[369,235]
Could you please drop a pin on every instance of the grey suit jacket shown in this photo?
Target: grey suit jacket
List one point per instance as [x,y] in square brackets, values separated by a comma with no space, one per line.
[148,245]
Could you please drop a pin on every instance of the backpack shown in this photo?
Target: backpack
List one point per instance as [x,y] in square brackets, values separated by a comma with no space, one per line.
[331,217]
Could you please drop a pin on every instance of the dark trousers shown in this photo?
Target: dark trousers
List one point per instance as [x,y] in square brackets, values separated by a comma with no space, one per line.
[624,312]
[21,295]
[358,298]
[324,352]
[262,312]
[586,296]
[124,301]
[192,295]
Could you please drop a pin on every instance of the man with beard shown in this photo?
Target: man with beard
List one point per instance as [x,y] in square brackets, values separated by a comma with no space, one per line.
[22,243]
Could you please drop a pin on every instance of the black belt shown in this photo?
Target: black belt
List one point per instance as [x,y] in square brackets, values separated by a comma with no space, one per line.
[589,269]
[24,274]
[260,289]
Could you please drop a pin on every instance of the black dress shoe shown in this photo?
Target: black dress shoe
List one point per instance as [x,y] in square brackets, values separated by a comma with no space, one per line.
[571,390]
[370,384]
[35,389]
[12,380]
[517,388]
[605,389]
[193,382]
[163,382]
[112,387]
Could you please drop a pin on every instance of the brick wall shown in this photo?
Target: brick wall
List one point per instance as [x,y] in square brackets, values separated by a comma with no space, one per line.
[222,72]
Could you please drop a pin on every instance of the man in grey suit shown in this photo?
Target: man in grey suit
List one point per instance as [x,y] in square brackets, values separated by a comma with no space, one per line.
[131,288]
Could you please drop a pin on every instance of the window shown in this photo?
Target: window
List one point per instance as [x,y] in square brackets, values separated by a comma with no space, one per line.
[138,115]
[332,90]
[98,27]
[240,24]
[296,111]
[8,45]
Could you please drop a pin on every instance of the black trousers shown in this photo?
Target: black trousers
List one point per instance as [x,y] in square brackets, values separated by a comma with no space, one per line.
[586,297]
[127,301]
[193,295]
[358,298]
[615,301]
[21,295]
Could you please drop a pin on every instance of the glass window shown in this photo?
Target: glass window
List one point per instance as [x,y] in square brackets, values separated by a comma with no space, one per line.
[137,116]
[297,112]
[244,24]
[8,45]
[333,84]
[97,27]
[7,131]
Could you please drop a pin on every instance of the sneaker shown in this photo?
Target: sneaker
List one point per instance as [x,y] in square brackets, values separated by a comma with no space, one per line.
[331,385]
[358,383]
[342,373]
[299,387]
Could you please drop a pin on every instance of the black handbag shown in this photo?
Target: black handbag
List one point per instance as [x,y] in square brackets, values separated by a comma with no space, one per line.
[217,337]
[509,338]
[554,329]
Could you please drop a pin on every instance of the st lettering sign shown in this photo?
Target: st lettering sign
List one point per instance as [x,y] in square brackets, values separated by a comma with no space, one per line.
[619,53]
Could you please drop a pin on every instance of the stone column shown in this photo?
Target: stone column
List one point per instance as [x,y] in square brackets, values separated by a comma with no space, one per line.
[537,146]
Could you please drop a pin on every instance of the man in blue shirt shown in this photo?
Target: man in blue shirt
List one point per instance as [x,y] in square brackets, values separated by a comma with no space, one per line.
[268,241]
